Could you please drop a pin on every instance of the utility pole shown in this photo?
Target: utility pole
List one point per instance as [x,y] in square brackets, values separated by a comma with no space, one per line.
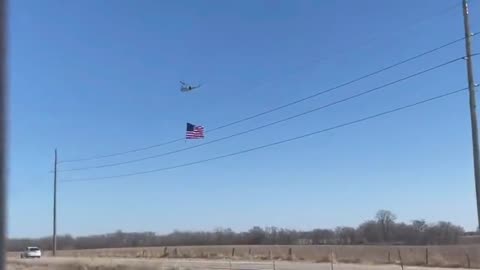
[3,120]
[473,113]
[54,239]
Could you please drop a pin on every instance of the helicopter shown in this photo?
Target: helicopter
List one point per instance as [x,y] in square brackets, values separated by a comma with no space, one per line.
[187,87]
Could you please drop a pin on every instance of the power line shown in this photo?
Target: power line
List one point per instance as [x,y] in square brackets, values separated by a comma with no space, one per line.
[272,144]
[367,42]
[271,123]
[275,108]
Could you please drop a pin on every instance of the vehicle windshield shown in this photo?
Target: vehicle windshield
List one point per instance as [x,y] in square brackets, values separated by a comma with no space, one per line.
[33,249]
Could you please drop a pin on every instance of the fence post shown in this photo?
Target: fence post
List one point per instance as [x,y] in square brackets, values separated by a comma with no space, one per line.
[389,259]
[233,252]
[400,258]
[270,254]
[273,262]
[230,264]
[468,259]
[165,251]
[426,256]
[331,260]
[290,254]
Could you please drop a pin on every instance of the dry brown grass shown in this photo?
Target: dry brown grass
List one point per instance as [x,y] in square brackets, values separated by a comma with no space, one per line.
[441,256]
[69,263]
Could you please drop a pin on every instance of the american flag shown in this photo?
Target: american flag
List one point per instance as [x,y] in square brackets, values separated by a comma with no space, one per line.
[194,132]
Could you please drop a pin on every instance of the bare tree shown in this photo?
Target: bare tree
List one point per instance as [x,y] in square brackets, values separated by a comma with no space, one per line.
[322,236]
[369,232]
[345,235]
[385,218]
[384,228]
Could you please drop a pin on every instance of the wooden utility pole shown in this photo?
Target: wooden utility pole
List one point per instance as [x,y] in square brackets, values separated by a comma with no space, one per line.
[54,238]
[473,105]
[3,117]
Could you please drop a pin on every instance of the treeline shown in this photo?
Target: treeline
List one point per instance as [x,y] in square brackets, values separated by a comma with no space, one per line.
[382,230]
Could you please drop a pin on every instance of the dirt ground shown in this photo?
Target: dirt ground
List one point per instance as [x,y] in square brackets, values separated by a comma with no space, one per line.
[66,263]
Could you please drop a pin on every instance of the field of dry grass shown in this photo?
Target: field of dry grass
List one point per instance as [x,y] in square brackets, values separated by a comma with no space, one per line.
[66,263]
[467,256]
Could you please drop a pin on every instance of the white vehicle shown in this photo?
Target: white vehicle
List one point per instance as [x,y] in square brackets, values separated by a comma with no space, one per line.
[31,252]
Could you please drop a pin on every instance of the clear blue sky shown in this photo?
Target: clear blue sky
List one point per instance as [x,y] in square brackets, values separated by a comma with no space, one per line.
[94,77]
